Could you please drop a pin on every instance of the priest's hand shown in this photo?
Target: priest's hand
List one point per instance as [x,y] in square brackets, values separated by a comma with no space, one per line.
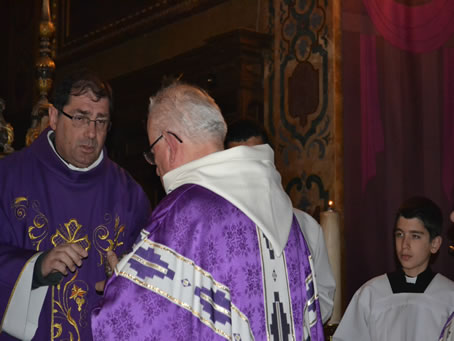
[63,258]
[112,261]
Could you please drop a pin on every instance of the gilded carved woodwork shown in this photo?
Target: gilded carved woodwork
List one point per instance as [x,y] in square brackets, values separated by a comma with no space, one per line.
[6,132]
[45,67]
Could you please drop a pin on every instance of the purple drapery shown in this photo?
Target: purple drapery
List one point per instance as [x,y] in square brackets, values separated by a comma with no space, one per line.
[415,113]
[371,127]
[419,28]
[448,120]
[416,29]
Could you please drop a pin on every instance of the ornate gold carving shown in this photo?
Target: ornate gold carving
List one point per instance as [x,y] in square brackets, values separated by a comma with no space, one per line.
[6,132]
[70,234]
[40,120]
[45,68]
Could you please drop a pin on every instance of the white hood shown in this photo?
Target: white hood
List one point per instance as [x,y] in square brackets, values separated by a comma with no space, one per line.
[246,177]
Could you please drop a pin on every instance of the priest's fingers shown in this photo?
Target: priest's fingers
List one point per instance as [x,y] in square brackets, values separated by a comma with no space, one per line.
[112,259]
[99,286]
[63,257]
[452,216]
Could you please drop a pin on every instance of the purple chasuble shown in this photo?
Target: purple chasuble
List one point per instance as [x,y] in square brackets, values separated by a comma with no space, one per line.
[45,204]
[200,241]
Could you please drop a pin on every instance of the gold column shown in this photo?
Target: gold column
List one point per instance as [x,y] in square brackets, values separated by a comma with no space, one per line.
[6,132]
[45,68]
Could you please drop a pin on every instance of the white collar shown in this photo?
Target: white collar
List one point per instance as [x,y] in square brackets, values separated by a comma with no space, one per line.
[246,177]
[70,166]
[411,280]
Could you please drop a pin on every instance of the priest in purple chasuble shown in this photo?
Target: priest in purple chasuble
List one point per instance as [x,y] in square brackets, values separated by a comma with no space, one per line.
[63,205]
[223,256]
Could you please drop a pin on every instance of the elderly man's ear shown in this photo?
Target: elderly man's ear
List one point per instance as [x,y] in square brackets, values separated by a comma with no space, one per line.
[174,147]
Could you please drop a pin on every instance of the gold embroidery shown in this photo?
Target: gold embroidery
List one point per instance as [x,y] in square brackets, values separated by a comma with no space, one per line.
[163,291]
[77,294]
[61,309]
[39,230]
[70,232]
[20,207]
[70,235]
[176,301]
[101,237]
[150,264]
[188,261]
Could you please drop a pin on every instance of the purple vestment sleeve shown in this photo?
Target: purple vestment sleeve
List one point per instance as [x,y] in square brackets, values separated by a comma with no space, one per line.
[45,204]
[221,241]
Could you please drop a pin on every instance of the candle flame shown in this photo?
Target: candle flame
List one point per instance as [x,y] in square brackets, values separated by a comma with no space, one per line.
[331,203]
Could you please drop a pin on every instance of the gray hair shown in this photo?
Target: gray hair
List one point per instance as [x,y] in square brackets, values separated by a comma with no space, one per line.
[188,110]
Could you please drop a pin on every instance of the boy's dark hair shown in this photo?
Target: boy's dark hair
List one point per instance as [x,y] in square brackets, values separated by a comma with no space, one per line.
[77,83]
[242,130]
[425,210]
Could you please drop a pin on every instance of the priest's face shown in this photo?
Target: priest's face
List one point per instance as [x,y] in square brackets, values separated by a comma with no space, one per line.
[80,143]
[414,246]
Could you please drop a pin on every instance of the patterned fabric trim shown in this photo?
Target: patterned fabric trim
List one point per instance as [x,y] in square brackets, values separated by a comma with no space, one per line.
[162,270]
[279,314]
[278,305]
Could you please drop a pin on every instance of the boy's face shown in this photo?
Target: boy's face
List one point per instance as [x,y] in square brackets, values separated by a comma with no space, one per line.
[413,245]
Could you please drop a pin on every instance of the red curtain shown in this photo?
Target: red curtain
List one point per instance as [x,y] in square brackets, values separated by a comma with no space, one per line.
[419,28]
[398,74]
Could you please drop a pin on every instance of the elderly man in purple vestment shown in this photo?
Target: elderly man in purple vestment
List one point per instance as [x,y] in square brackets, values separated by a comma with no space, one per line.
[64,204]
[223,256]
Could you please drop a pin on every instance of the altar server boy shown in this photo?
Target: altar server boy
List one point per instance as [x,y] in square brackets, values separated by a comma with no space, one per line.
[412,302]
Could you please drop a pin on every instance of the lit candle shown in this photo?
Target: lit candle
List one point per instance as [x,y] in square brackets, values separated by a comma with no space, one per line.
[330,223]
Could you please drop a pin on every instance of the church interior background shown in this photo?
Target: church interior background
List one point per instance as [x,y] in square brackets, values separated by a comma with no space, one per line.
[355,113]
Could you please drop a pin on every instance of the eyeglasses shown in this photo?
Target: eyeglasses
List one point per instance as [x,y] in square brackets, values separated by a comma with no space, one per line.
[149,155]
[79,121]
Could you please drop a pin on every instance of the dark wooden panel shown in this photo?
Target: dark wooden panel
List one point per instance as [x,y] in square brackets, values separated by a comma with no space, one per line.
[87,26]
[229,67]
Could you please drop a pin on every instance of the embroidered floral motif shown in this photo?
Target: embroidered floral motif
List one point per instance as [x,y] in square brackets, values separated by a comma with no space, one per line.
[122,323]
[237,239]
[104,240]
[229,279]
[181,327]
[151,308]
[62,310]
[100,334]
[209,257]
[70,234]
[39,230]
[155,335]
[78,294]
[253,279]
[181,231]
